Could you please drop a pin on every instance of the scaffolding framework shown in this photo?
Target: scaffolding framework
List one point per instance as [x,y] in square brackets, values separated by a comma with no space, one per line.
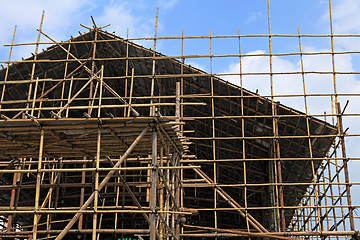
[102,138]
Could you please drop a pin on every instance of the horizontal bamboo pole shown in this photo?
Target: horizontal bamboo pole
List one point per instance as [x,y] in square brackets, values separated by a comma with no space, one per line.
[186,184]
[34,162]
[262,159]
[92,169]
[275,207]
[103,106]
[190,96]
[290,233]
[241,233]
[77,231]
[136,211]
[72,211]
[191,118]
[117,39]
[206,185]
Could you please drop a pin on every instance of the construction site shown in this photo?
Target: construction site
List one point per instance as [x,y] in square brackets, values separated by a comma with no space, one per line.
[102,138]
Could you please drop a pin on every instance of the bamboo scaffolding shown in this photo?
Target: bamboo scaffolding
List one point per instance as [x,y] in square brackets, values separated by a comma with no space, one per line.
[283,173]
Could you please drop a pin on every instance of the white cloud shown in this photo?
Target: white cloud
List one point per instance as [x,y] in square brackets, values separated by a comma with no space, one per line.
[315,83]
[345,16]
[59,16]
[62,19]
[168,4]
[283,84]
[196,65]
[254,16]
[120,17]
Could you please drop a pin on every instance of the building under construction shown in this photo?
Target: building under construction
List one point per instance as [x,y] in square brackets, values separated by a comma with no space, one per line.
[101,138]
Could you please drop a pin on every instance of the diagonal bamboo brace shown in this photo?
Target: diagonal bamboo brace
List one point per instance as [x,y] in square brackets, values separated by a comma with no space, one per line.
[231,201]
[132,195]
[101,185]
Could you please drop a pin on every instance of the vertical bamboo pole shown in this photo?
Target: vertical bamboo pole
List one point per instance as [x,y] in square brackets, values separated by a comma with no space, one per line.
[34,99]
[12,201]
[69,96]
[345,166]
[42,92]
[117,189]
[173,188]
[213,131]
[274,164]
[337,166]
[177,197]
[102,214]
[91,95]
[7,69]
[38,182]
[34,61]
[181,116]
[167,199]
[279,167]
[243,133]
[96,190]
[325,197]
[123,198]
[332,197]
[277,157]
[49,217]
[65,74]
[176,171]
[340,126]
[126,68]
[131,91]
[182,83]
[82,195]
[101,91]
[333,53]
[177,103]
[161,195]
[152,108]
[153,185]
[316,188]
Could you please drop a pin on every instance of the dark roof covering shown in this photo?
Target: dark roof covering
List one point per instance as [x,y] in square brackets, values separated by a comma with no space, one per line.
[258,124]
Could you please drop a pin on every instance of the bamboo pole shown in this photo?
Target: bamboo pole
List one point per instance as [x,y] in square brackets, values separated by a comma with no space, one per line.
[152,108]
[65,73]
[101,185]
[153,193]
[131,91]
[345,166]
[126,66]
[243,135]
[311,215]
[7,70]
[34,62]
[96,184]
[38,178]
[101,91]
[91,94]
[245,234]
[76,94]
[161,195]
[231,201]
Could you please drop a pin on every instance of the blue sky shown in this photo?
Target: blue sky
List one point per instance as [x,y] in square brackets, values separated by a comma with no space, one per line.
[62,19]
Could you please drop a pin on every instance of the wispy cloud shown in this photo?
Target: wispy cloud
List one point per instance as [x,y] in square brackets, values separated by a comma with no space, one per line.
[254,16]
[59,16]
[167,4]
[346,18]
